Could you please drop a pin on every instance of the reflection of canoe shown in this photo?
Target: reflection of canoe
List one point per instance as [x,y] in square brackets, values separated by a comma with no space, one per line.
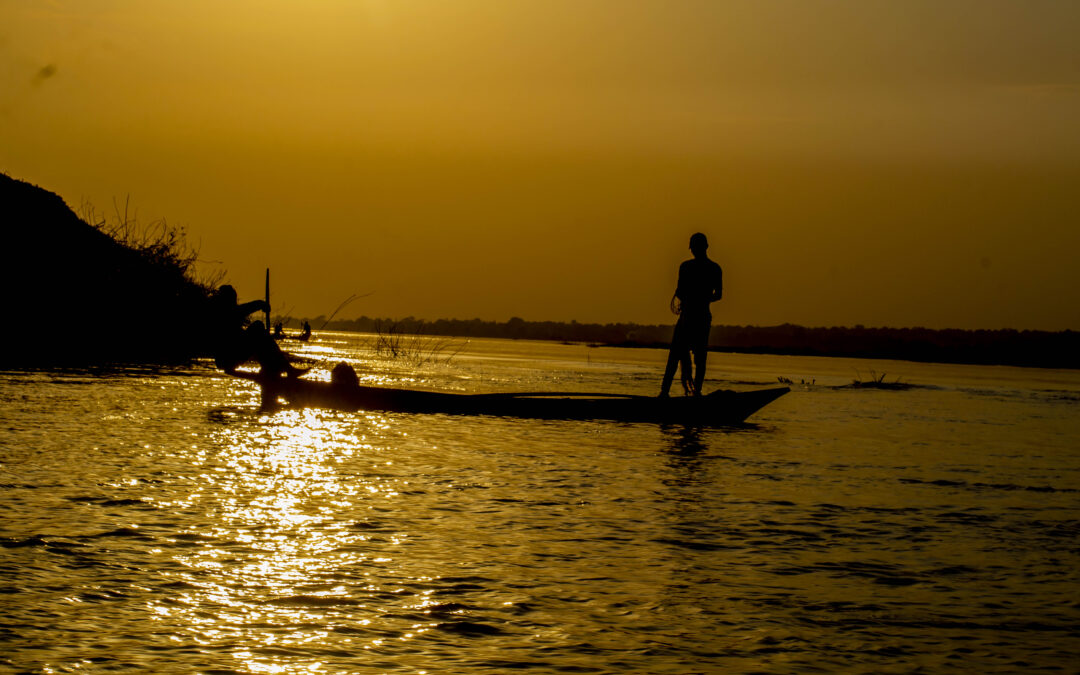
[716,409]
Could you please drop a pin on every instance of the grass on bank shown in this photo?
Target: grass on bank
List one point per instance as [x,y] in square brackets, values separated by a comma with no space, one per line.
[160,245]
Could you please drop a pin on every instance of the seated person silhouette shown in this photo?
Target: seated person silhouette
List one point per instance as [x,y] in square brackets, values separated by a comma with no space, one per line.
[343,377]
[701,283]
[234,344]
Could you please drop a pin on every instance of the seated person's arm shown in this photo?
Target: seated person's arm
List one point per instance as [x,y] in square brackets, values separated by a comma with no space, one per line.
[251,307]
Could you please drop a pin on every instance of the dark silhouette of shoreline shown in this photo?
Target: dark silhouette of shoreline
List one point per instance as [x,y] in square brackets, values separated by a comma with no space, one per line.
[1042,349]
[76,295]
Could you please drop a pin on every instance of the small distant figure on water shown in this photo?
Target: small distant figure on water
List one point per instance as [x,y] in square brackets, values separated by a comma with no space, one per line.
[306,335]
[701,283]
[279,330]
[235,343]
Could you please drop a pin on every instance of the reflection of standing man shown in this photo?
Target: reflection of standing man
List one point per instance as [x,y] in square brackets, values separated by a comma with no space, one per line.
[701,283]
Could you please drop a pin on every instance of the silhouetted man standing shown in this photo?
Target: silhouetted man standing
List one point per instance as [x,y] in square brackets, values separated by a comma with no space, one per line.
[701,283]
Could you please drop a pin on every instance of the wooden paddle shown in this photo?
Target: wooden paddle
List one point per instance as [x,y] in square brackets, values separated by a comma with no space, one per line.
[267,298]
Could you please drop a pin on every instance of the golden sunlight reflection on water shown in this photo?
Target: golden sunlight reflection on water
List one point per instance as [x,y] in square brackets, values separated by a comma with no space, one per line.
[163,523]
[264,571]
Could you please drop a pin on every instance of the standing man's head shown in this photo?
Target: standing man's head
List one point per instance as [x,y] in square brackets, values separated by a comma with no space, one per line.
[698,244]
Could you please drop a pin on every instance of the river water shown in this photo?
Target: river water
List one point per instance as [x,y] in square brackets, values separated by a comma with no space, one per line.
[156,521]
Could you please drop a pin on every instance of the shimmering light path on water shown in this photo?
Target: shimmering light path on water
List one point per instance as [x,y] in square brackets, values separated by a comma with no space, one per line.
[156,521]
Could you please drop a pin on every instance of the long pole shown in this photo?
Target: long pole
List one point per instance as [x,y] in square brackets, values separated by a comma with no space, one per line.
[267,298]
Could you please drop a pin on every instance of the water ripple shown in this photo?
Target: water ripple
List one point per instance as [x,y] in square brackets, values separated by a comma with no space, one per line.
[150,518]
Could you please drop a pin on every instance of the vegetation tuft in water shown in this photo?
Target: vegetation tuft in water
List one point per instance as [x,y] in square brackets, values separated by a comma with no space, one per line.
[394,340]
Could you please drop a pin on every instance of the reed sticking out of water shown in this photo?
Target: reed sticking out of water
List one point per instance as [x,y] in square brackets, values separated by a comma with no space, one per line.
[345,303]
[393,341]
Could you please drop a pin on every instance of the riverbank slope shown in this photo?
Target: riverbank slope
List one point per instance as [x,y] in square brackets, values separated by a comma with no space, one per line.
[81,297]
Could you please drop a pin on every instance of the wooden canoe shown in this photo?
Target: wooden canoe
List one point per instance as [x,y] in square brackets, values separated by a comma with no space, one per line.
[719,408]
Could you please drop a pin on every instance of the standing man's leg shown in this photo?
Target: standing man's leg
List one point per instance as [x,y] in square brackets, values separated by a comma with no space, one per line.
[701,355]
[676,354]
[669,371]
[686,373]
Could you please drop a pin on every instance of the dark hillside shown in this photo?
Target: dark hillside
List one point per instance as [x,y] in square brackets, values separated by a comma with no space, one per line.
[82,297]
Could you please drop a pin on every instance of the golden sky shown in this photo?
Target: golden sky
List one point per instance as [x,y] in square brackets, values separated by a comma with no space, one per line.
[900,163]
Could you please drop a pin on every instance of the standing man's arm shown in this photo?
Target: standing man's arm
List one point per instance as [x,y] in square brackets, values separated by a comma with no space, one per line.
[680,285]
[718,285]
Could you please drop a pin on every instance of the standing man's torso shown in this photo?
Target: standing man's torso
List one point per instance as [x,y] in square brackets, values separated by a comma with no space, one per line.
[699,278]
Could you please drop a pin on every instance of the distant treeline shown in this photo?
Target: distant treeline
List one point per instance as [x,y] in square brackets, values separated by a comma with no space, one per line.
[989,347]
[1000,347]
